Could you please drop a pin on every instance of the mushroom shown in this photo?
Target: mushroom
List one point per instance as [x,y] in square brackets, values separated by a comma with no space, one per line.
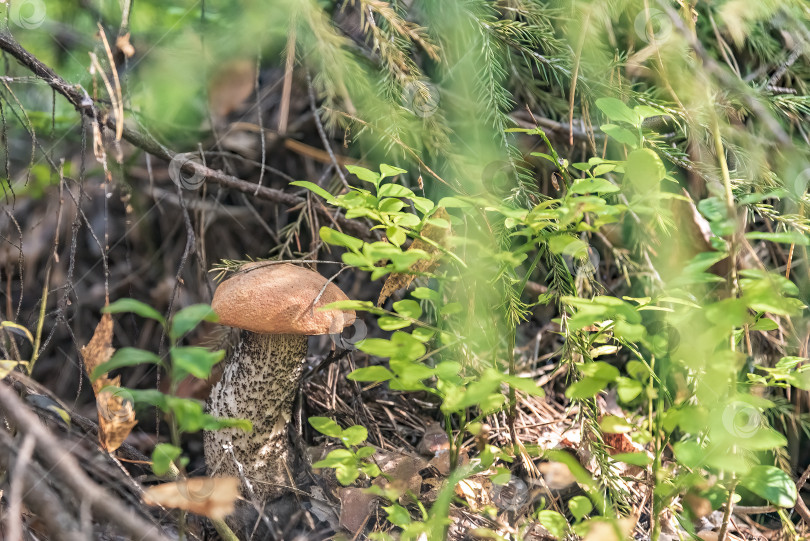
[275,307]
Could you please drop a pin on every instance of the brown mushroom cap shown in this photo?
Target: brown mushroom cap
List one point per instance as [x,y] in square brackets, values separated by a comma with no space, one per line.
[278,299]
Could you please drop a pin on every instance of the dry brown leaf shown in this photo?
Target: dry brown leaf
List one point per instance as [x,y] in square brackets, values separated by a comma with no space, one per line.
[397,281]
[476,491]
[99,349]
[213,497]
[116,416]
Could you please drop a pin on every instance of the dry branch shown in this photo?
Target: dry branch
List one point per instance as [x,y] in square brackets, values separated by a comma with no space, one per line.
[66,468]
[38,496]
[86,106]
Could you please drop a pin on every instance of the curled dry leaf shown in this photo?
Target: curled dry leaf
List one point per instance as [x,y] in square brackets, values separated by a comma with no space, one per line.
[476,491]
[213,497]
[99,349]
[116,416]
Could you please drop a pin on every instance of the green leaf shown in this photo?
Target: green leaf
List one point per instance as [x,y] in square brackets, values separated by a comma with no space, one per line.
[392,323]
[580,506]
[326,426]
[316,189]
[125,357]
[554,522]
[637,370]
[451,308]
[644,169]
[527,385]
[408,308]
[622,135]
[764,324]
[189,317]
[395,190]
[330,236]
[397,515]
[616,110]
[347,473]
[645,111]
[402,347]
[354,435]
[601,370]
[423,334]
[612,424]
[593,185]
[194,360]
[396,235]
[364,174]
[365,452]
[371,373]
[785,237]
[586,388]
[689,453]
[423,204]
[136,307]
[153,397]
[389,204]
[772,484]
[628,389]
[390,171]
[454,202]
[163,456]
[335,458]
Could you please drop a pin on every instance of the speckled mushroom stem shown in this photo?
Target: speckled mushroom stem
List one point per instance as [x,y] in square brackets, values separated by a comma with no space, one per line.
[260,381]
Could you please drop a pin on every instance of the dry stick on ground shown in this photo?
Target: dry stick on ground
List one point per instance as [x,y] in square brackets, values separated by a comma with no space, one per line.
[42,500]
[66,468]
[86,106]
